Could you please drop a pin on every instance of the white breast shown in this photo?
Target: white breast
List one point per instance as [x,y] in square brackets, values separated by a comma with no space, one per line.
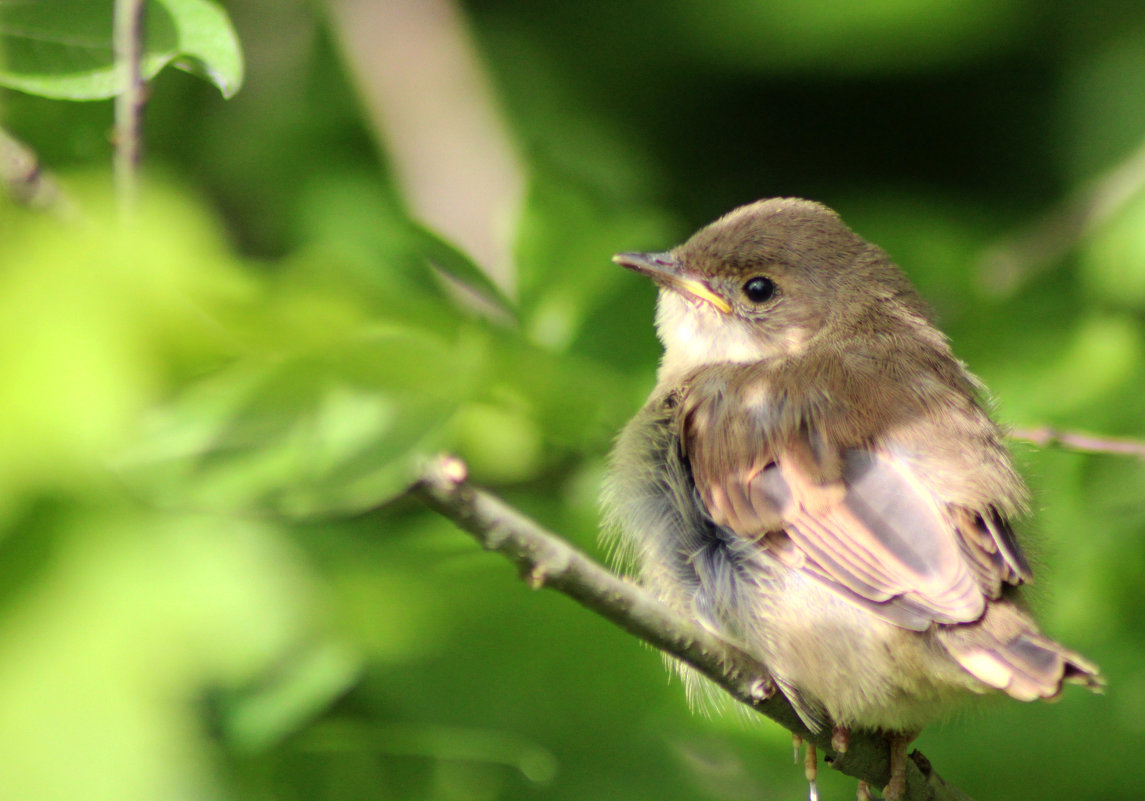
[695,334]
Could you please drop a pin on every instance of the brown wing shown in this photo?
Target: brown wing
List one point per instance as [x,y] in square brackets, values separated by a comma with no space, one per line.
[989,546]
[858,520]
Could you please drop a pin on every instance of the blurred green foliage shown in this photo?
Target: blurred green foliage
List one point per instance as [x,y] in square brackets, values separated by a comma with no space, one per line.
[212,586]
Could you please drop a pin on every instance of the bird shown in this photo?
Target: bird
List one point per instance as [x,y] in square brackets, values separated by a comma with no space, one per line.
[817,477]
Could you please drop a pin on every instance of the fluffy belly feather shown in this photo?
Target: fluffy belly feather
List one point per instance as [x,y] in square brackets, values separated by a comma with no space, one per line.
[837,664]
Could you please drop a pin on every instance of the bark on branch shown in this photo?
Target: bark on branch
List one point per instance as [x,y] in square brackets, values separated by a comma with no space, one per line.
[1047,437]
[129,35]
[546,560]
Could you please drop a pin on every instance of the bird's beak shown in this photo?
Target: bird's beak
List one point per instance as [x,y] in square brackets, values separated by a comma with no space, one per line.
[665,269]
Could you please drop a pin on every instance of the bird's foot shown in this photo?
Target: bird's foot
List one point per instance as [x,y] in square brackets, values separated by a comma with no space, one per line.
[810,765]
[896,787]
[840,739]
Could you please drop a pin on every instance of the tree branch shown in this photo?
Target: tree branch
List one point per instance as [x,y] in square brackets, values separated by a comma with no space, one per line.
[1048,436]
[546,560]
[128,36]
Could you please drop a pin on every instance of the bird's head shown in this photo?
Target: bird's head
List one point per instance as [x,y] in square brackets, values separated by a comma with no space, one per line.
[762,282]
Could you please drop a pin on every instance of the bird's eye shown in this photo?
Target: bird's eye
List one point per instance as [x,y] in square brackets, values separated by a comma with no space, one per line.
[759,289]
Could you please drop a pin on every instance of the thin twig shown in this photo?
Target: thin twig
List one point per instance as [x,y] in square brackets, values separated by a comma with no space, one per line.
[132,97]
[545,560]
[1048,437]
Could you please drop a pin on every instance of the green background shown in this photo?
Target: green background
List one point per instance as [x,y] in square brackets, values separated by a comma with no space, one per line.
[210,585]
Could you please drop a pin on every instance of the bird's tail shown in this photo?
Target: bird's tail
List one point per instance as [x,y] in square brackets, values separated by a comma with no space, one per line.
[1005,650]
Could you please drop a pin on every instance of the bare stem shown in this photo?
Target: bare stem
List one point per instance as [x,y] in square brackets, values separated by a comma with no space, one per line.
[1047,436]
[546,560]
[129,103]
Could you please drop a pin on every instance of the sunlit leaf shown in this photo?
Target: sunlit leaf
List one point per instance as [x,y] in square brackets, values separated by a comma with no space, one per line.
[499,444]
[341,428]
[1113,260]
[1101,355]
[153,611]
[96,322]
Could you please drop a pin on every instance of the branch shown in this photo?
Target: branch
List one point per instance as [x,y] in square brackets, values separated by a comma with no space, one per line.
[546,560]
[128,39]
[1047,436]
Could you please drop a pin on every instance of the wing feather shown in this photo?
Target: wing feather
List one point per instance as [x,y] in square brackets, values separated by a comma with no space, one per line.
[874,533]
[855,514]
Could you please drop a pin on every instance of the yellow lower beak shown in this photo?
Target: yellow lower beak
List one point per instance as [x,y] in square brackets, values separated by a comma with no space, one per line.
[663,268]
[699,290]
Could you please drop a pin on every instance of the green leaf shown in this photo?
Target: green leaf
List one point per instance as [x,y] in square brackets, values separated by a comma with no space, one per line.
[257,717]
[337,428]
[123,311]
[1112,262]
[455,263]
[350,215]
[564,251]
[208,604]
[63,49]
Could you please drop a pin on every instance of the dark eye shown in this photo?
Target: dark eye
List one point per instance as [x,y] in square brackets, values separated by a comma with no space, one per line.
[759,289]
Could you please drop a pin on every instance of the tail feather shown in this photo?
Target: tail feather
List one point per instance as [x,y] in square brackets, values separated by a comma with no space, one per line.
[1005,650]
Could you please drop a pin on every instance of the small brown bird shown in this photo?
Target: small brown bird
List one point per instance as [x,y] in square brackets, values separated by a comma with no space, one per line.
[815,477]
